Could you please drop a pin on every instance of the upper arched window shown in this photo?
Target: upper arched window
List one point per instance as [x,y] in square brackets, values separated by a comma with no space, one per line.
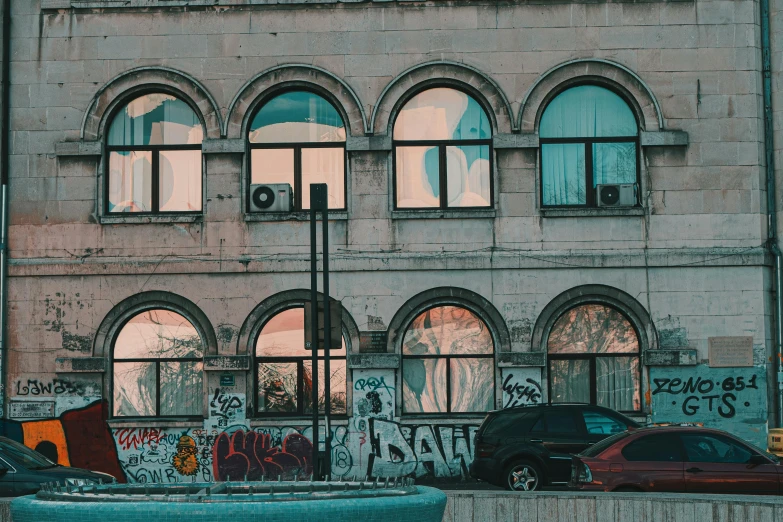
[594,358]
[589,137]
[154,163]
[157,367]
[284,369]
[298,138]
[448,363]
[442,152]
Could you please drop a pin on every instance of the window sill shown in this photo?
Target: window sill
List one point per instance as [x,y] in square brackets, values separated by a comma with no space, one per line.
[591,212]
[154,422]
[128,220]
[298,420]
[488,213]
[335,215]
[442,418]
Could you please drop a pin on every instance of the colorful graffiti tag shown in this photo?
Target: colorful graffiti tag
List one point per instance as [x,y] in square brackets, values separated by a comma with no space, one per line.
[250,456]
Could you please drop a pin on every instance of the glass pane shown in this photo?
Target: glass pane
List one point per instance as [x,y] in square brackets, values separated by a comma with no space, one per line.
[593,328]
[587,111]
[601,424]
[472,385]
[156,119]
[654,448]
[418,177]
[277,387]
[467,176]
[324,166]
[158,334]
[424,386]
[134,389]
[130,181]
[563,174]
[570,380]
[180,180]
[297,117]
[614,163]
[447,330]
[269,166]
[617,383]
[702,447]
[337,385]
[442,114]
[560,422]
[181,390]
[283,336]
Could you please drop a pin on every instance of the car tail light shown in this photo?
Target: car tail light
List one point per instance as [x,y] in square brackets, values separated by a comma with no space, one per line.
[485,450]
[584,475]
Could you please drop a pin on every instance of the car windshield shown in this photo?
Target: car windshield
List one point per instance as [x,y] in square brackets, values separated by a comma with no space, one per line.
[599,447]
[771,456]
[23,455]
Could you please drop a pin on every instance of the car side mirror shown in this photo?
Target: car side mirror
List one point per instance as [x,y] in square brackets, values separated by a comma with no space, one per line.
[757,460]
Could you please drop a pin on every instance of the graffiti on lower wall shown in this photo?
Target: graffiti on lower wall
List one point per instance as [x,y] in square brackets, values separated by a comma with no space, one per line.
[521,386]
[732,399]
[420,450]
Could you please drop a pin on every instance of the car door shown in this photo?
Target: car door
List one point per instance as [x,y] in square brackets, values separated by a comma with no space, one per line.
[653,463]
[561,435]
[599,426]
[720,464]
[7,480]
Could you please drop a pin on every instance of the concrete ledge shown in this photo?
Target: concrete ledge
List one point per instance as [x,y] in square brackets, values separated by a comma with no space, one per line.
[373,360]
[556,506]
[521,359]
[336,215]
[591,212]
[515,141]
[673,138]
[670,357]
[79,148]
[223,146]
[130,219]
[221,363]
[444,214]
[80,365]
[370,143]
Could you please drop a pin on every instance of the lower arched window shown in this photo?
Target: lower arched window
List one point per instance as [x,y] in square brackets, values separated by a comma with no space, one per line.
[448,363]
[594,358]
[157,367]
[284,369]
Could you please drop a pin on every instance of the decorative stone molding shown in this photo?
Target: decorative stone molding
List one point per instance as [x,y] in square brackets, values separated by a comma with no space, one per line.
[374,361]
[591,212]
[673,138]
[671,357]
[212,146]
[515,141]
[521,359]
[79,148]
[223,363]
[275,80]
[80,365]
[443,73]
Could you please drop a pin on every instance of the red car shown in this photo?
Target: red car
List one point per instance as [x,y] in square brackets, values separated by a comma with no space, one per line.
[676,459]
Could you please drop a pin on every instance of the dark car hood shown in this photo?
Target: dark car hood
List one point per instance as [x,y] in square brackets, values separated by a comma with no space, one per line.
[60,473]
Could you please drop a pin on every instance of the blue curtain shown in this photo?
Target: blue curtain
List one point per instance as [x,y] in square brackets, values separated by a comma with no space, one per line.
[587,111]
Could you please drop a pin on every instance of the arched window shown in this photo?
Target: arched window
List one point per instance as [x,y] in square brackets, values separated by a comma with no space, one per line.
[594,358]
[298,138]
[284,369]
[448,363]
[588,136]
[154,162]
[157,367]
[442,152]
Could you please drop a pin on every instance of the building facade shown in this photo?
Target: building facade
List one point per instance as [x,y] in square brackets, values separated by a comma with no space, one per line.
[155,295]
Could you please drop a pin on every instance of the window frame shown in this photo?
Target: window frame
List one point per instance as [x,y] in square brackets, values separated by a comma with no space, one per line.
[592,357]
[448,358]
[591,200]
[442,146]
[288,359]
[297,149]
[157,362]
[155,150]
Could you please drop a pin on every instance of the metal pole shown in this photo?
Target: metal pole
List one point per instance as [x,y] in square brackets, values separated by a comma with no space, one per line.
[314,327]
[327,347]
[5,123]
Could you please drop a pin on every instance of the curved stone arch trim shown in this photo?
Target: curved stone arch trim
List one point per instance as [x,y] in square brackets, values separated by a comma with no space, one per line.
[119,88]
[444,72]
[279,302]
[118,317]
[644,102]
[249,98]
[448,296]
[591,294]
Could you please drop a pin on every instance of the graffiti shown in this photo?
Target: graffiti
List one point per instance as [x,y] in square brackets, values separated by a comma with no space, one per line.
[225,410]
[133,438]
[185,461]
[222,403]
[521,387]
[55,387]
[727,398]
[441,451]
[251,455]
[165,455]
[372,384]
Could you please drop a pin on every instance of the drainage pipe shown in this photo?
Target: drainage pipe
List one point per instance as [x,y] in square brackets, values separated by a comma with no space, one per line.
[5,144]
[772,240]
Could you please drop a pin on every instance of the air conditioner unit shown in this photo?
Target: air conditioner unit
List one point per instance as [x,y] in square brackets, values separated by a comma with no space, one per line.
[616,195]
[271,198]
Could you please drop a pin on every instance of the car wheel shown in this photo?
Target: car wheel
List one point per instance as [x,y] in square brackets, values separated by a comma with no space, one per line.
[523,476]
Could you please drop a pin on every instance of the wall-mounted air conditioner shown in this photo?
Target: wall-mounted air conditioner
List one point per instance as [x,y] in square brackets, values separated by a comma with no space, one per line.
[276,197]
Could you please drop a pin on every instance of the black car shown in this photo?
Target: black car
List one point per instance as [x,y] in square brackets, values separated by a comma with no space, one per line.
[22,471]
[525,448]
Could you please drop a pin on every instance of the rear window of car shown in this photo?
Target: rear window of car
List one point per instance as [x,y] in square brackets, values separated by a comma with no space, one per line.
[599,447]
[661,447]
